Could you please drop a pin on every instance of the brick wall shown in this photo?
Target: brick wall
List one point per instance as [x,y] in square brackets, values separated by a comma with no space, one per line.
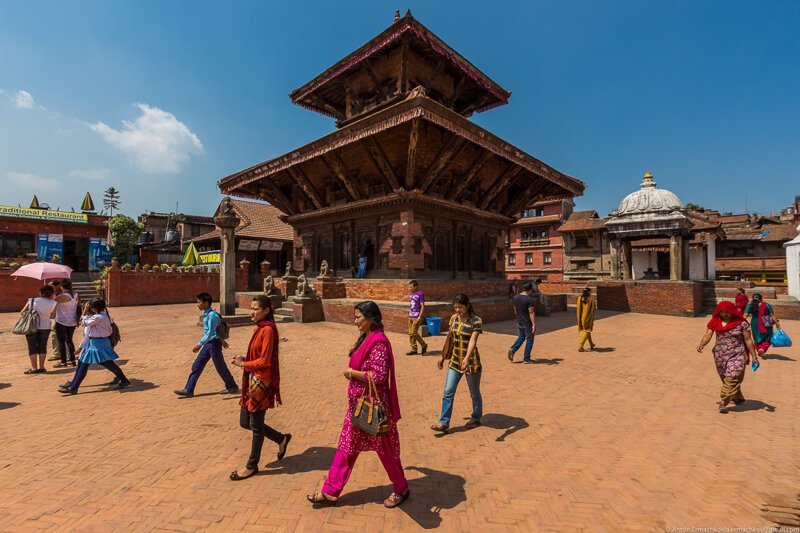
[435,290]
[15,292]
[150,288]
[675,298]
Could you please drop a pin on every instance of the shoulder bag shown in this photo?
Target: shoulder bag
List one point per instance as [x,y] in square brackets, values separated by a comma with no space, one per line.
[28,323]
[115,338]
[368,414]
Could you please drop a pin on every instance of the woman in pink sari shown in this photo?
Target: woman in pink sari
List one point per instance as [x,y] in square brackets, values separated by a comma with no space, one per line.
[371,356]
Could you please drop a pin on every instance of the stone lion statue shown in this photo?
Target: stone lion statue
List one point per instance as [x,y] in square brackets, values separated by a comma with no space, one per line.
[303,286]
[269,286]
[288,268]
[324,270]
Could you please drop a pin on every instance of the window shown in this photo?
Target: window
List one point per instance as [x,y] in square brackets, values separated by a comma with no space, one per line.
[195,231]
[540,211]
[528,259]
[581,242]
[548,258]
[544,234]
[581,265]
[16,245]
[525,236]
[512,259]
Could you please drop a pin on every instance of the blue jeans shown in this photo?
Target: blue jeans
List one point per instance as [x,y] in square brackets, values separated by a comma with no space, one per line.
[526,335]
[210,350]
[450,386]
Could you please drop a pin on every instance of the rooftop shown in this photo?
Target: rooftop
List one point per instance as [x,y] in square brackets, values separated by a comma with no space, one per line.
[258,221]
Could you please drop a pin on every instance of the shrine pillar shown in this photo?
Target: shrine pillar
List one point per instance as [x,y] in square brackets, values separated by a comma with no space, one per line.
[676,257]
[615,252]
[627,261]
[227,222]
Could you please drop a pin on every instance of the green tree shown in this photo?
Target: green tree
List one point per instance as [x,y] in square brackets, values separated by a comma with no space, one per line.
[694,207]
[111,200]
[125,233]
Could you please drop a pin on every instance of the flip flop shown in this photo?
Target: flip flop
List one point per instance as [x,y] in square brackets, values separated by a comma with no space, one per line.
[282,448]
[320,499]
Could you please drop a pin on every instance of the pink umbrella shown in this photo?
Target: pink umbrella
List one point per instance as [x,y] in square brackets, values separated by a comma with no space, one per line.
[44,271]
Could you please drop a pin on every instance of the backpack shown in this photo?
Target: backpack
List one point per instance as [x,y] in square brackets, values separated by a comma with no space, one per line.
[115,337]
[28,323]
[223,329]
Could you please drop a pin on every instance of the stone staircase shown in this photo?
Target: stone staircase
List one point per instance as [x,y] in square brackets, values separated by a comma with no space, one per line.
[85,289]
[285,313]
[714,292]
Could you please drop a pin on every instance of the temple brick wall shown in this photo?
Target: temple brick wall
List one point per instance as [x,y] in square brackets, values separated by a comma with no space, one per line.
[675,298]
[15,292]
[151,288]
[434,290]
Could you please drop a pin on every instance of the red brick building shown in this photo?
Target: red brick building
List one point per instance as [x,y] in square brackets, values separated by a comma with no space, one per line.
[535,248]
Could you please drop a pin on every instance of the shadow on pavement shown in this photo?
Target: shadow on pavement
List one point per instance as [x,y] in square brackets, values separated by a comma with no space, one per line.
[314,458]
[8,405]
[435,491]
[776,357]
[510,425]
[5,385]
[71,369]
[751,405]
[138,385]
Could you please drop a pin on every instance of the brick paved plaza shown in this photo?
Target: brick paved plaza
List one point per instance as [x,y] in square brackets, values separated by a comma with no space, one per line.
[627,438]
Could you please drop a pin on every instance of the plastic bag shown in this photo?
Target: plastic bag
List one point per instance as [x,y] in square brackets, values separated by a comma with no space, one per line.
[780,339]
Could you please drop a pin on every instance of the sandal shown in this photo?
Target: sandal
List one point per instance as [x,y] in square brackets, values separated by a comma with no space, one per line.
[60,365]
[722,408]
[31,371]
[440,428]
[236,477]
[472,424]
[285,444]
[394,500]
[320,499]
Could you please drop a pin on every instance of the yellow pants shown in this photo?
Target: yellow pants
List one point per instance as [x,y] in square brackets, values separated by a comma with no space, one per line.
[586,335]
[731,390]
[413,334]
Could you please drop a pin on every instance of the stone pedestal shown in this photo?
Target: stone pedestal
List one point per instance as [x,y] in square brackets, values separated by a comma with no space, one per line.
[307,309]
[287,285]
[330,288]
[227,223]
[276,301]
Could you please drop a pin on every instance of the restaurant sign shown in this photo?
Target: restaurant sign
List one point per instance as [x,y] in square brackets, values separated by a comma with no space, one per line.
[42,214]
[209,258]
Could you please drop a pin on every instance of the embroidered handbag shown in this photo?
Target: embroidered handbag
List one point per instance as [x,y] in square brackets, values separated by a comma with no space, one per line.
[28,323]
[368,414]
[768,321]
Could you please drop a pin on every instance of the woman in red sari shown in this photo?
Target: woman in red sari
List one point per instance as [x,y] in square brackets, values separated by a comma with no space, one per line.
[732,351]
[261,386]
[371,356]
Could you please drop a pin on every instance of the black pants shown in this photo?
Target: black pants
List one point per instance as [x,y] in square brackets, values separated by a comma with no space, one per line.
[83,368]
[65,345]
[255,422]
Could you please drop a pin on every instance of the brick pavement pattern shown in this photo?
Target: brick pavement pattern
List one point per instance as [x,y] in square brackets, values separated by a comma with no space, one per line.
[624,439]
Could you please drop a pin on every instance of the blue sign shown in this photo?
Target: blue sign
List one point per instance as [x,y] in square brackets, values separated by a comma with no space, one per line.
[99,254]
[48,245]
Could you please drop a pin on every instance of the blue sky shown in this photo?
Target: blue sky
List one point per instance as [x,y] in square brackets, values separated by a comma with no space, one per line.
[161,99]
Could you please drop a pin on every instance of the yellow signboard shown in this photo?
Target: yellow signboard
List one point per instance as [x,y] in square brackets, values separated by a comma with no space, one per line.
[209,258]
[42,214]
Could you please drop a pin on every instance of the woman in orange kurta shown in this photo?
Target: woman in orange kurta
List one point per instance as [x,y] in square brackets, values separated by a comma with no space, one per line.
[260,385]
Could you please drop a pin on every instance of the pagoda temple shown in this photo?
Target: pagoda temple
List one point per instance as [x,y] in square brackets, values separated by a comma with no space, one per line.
[406,179]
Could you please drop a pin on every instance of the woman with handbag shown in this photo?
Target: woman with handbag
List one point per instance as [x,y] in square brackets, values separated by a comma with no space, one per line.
[99,349]
[68,313]
[762,318]
[372,414]
[260,386]
[44,306]
[465,326]
[731,352]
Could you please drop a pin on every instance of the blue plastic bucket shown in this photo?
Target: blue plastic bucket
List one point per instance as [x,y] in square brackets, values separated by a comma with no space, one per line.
[434,325]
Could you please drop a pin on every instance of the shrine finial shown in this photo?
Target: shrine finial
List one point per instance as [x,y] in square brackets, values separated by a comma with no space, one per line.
[396,15]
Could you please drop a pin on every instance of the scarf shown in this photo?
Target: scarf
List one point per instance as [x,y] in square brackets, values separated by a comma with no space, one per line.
[715,324]
[762,312]
[275,372]
[361,354]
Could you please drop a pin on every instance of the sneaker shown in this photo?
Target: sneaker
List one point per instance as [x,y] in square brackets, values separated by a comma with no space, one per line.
[412,352]
[184,393]
[510,355]
[67,391]
[424,349]
[528,361]
[114,381]
[231,390]
[123,384]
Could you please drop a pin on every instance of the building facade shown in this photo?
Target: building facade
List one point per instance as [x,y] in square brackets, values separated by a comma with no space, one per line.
[166,235]
[535,246]
[587,256]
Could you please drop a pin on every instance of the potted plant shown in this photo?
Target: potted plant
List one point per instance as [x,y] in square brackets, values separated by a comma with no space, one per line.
[156,268]
[146,268]
[98,286]
[126,267]
[3,264]
[14,264]
[137,268]
[56,258]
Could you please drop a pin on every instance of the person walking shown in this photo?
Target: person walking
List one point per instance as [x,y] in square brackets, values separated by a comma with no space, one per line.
[525,311]
[362,266]
[732,351]
[261,385]
[68,312]
[415,313]
[371,358]
[762,318]
[98,350]
[208,347]
[45,308]
[513,289]
[586,306]
[465,327]
[741,301]
[57,290]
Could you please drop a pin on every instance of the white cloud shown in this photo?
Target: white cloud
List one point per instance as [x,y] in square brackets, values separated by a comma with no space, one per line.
[156,141]
[93,174]
[26,180]
[24,100]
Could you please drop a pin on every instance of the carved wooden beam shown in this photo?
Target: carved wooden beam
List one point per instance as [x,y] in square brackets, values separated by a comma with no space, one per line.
[301,180]
[412,154]
[459,88]
[469,177]
[521,202]
[338,169]
[380,161]
[443,159]
[500,184]
[327,106]
[477,105]
[276,197]
[404,65]
[437,71]
[374,78]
